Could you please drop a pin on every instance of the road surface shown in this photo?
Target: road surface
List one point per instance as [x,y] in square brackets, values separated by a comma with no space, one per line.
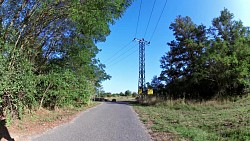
[106,122]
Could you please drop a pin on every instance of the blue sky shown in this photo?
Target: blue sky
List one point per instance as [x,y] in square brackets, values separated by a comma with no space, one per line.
[120,54]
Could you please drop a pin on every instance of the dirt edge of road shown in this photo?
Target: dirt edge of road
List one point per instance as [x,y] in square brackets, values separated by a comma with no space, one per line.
[41,121]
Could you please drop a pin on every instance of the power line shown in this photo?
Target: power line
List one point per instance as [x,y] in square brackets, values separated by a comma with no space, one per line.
[149,19]
[159,20]
[116,58]
[124,57]
[138,19]
[118,51]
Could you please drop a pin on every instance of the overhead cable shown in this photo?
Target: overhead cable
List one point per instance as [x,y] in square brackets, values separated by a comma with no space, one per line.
[116,58]
[123,58]
[138,19]
[149,19]
[118,51]
[158,20]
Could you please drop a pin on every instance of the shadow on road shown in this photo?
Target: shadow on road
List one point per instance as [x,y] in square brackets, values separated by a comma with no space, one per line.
[118,102]
[123,102]
[4,133]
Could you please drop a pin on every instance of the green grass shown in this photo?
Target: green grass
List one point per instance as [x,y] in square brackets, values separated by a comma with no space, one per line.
[210,121]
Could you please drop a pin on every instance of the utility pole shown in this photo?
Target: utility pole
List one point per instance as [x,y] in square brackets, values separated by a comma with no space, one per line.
[141,81]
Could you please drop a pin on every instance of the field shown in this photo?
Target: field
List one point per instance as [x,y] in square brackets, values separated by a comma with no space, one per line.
[207,121]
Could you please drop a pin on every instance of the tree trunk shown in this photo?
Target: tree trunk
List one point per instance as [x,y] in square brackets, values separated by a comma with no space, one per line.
[41,102]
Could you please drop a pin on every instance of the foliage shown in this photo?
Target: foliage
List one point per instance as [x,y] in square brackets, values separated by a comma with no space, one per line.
[17,85]
[48,53]
[207,63]
[128,93]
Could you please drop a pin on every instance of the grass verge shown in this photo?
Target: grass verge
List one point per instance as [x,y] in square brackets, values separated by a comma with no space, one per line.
[208,121]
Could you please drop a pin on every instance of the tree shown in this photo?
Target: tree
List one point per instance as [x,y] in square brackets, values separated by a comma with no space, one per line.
[48,51]
[128,93]
[207,63]
[121,94]
[185,55]
[185,50]
[229,54]
[156,82]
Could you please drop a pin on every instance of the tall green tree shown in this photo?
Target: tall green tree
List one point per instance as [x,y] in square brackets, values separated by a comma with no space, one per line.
[229,54]
[185,55]
[207,63]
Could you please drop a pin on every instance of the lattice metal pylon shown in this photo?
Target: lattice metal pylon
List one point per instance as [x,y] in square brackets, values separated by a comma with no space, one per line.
[141,80]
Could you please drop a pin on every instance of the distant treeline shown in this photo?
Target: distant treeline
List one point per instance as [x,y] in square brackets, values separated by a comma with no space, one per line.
[48,52]
[126,93]
[205,63]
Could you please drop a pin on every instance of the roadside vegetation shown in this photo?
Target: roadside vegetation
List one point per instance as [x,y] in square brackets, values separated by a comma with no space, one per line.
[48,52]
[205,121]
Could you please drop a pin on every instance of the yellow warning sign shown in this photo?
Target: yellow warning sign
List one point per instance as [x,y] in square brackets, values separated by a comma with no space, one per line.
[140,91]
[150,91]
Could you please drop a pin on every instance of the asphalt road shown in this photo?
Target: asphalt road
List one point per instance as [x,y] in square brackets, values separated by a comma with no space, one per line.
[106,122]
